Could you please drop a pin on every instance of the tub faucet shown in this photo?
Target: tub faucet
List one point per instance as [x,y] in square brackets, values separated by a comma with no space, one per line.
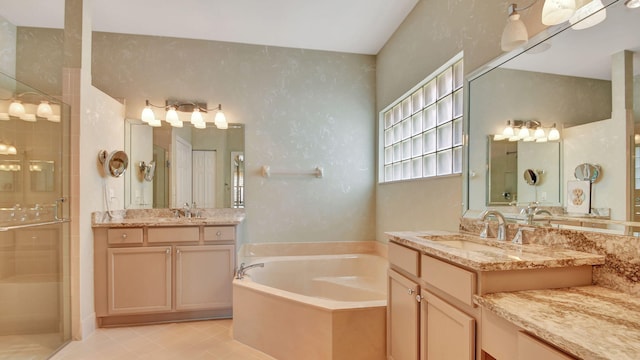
[501,223]
[243,269]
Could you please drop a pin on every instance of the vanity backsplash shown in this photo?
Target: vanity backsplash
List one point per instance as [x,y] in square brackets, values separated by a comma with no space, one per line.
[621,270]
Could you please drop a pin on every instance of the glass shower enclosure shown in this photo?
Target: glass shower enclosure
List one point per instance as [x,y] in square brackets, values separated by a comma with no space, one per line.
[35,318]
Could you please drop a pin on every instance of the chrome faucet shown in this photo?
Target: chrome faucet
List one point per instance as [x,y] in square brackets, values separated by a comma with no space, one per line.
[187,210]
[243,269]
[501,223]
[532,210]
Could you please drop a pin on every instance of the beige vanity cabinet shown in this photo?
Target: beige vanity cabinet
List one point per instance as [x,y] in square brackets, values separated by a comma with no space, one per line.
[163,273]
[447,333]
[203,276]
[139,279]
[420,324]
[403,317]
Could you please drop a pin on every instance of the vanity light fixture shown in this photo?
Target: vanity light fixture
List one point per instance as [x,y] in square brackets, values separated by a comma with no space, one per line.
[632,4]
[172,117]
[17,109]
[523,131]
[6,149]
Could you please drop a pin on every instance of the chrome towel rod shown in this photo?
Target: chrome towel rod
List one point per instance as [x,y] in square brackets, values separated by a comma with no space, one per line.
[267,172]
[24,226]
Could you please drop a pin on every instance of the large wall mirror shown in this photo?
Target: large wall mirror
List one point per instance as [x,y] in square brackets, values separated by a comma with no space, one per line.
[584,83]
[171,167]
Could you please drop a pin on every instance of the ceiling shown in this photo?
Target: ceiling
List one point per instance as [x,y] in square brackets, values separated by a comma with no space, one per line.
[354,26]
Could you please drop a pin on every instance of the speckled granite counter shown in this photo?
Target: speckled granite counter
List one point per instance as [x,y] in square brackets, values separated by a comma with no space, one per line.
[165,217]
[590,322]
[492,255]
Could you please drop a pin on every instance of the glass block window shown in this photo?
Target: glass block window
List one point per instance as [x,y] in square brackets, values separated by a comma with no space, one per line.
[422,134]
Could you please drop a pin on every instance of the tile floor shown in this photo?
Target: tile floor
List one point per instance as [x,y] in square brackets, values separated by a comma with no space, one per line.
[196,340]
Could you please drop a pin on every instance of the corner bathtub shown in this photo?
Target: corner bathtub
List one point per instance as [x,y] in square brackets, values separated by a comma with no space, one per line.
[313,307]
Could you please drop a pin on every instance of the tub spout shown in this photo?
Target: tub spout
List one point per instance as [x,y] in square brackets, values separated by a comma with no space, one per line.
[243,269]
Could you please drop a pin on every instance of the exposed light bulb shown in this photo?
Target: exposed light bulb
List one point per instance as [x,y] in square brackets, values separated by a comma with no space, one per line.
[16,109]
[508,130]
[523,133]
[147,115]
[220,120]
[11,150]
[196,117]
[539,133]
[44,109]
[172,115]
[554,134]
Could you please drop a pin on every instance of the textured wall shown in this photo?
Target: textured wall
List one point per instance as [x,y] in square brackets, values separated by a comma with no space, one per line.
[433,33]
[301,108]
[40,57]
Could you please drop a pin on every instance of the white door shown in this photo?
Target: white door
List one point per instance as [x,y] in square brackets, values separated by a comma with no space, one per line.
[204,178]
[182,173]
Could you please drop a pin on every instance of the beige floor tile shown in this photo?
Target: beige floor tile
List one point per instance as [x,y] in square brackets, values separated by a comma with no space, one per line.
[199,340]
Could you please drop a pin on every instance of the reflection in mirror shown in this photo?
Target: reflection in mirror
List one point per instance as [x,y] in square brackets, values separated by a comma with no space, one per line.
[41,173]
[10,174]
[191,166]
[587,172]
[584,84]
[508,163]
[531,177]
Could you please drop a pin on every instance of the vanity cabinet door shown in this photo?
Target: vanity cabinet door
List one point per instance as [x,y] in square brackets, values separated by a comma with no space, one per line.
[446,332]
[139,280]
[204,276]
[403,318]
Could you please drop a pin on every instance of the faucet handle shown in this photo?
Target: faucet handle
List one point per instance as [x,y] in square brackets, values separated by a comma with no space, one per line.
[485,231]
[518,238]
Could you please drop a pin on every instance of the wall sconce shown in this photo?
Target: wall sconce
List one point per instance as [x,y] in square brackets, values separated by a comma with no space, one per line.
[529,130]
[17,109]
[172,117]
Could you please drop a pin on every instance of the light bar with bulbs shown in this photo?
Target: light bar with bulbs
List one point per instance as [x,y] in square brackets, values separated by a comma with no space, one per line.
[197,119]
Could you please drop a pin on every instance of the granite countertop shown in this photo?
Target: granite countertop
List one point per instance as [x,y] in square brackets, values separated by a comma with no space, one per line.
[590,322]
[489,254]
[165,217]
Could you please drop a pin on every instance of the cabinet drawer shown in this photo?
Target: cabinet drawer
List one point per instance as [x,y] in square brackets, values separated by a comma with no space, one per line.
[404,258]
[219,233]
[173,234]
[455,281]
[124,236]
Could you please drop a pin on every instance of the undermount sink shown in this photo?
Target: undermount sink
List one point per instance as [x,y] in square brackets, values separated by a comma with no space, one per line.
[463,242]
[465,245]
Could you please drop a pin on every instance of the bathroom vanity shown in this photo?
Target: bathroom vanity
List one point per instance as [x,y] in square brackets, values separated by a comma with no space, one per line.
[437,279]
[163,268]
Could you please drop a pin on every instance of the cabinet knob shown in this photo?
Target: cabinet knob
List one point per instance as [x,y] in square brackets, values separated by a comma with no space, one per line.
[124,236]
[411,291]
[219,233]
[178,251]
[168,251]
[418,298]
